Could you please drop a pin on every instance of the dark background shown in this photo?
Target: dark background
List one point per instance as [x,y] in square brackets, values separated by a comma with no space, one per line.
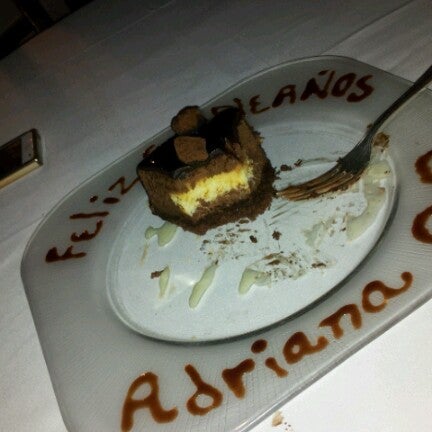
[20,20]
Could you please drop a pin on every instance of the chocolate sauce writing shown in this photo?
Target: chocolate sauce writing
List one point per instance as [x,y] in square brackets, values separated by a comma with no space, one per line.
[295,349]
[327,84]
[424,168]
[419,227]
[86,235]
[53,256]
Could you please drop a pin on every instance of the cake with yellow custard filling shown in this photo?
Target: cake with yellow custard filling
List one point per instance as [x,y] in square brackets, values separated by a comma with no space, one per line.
[209,173]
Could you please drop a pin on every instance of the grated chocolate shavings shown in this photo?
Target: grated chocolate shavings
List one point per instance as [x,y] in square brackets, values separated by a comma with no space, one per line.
[285,167]
[156,274]
[276,235]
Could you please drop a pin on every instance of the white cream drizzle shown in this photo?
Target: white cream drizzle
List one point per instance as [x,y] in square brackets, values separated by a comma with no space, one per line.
[202,285]
[164,233]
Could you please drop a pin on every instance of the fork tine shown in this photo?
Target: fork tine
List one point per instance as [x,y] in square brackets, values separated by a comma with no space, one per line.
[327,176]
[337,183]
[339,180]
[310,185]
[302,194]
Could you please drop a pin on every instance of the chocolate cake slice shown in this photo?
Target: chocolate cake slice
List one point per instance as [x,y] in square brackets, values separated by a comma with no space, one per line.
[208,173]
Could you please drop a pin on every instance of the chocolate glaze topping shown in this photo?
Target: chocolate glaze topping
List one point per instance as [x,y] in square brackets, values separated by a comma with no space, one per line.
[216,132]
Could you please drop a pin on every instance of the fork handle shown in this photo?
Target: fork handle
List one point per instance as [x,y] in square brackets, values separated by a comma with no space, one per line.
[417,86]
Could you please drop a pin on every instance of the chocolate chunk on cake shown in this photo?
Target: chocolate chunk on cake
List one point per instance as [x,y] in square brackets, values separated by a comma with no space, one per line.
[209,173]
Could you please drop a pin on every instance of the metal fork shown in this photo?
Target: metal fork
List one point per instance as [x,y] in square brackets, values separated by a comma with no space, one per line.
[349,168]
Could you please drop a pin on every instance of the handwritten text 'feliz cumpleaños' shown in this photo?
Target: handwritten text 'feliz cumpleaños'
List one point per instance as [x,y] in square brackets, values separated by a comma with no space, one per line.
[328,83]
[350,86]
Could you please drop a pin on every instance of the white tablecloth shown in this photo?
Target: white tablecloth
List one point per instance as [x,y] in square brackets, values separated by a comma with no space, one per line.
[111,75]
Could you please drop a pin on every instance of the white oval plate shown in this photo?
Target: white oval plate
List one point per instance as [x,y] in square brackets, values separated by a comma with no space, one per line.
[88,268]
[301,247]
